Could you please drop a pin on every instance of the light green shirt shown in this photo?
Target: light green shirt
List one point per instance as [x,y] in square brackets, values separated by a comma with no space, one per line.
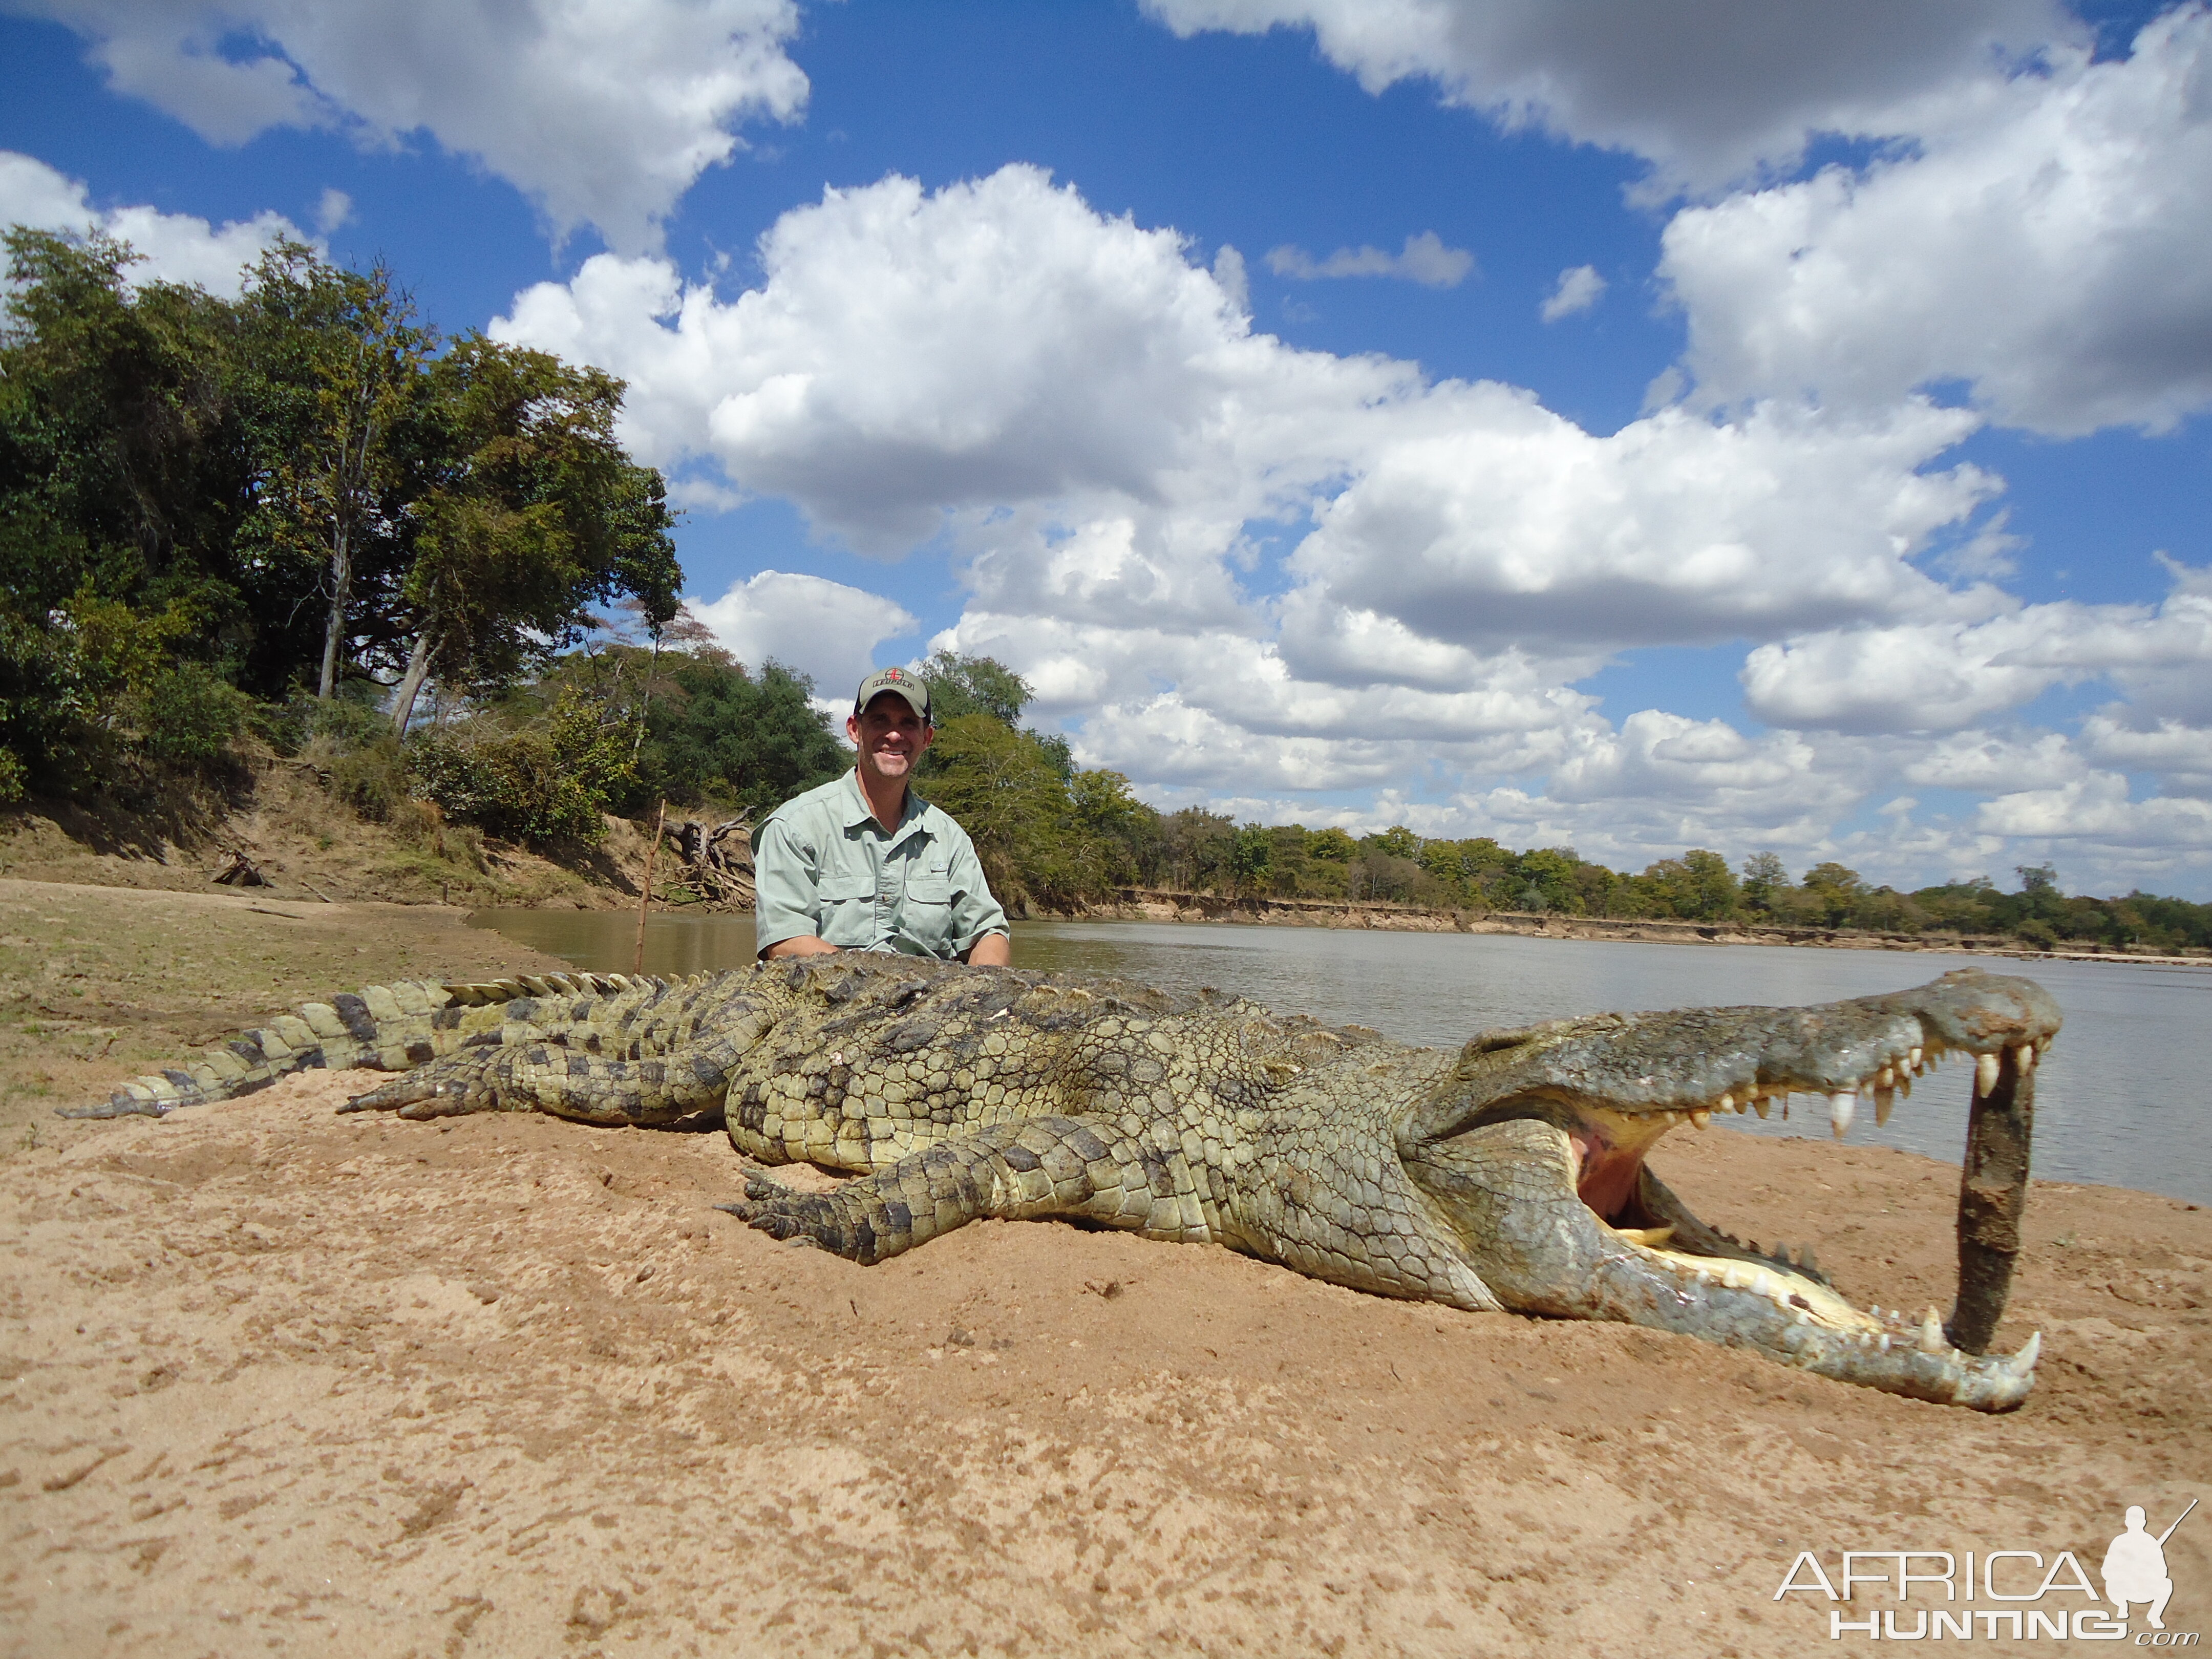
[822,865]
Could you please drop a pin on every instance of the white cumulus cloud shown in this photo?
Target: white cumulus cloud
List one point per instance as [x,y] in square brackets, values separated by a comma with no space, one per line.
[2048,242]
[820,628]
[1945,675]
[603,111]
[177,247]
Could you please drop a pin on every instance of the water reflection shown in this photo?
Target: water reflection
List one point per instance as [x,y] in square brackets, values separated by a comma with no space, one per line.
[2117,1101]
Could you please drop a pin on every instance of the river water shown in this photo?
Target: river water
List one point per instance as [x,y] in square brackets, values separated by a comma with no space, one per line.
[2120,1100]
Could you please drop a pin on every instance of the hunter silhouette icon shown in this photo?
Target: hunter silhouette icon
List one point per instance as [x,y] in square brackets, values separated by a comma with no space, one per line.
[2135,1567]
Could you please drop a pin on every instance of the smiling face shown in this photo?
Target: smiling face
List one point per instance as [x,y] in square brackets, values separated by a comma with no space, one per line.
[890,736]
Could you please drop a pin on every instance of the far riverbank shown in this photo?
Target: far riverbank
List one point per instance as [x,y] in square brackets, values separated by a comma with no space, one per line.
[1153,904]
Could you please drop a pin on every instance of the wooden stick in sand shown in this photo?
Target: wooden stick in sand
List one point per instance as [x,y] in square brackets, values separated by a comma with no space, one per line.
[645,899]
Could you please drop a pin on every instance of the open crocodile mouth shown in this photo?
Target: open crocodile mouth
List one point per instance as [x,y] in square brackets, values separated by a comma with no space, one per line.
[1644,1218]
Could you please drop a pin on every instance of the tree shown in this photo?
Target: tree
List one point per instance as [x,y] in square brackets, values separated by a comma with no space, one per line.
[341,356]
[1765,880]
[1000,786]
[535,513]
[1332,845]
[1544,880]
[1252,859]
[962,685]
[124,473]
[754,739]
[1713,893]
[1834,890]
[1105,811]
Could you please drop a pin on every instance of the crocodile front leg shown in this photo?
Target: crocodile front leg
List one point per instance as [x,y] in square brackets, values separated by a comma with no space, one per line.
[1033,1168]
[1510,1188]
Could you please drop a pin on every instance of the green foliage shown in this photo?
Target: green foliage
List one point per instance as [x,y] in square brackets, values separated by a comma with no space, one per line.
[1252,859]
[372,776]
[1832,891]
[1002,788]
[1764,880]
[962,685]
[520,786]
[715,731]
[199,497]
[530,514]
[187,716]
[1106,812]
[1697,886]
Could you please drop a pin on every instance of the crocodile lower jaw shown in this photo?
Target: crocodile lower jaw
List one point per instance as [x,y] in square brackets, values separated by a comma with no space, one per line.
[1611,1146]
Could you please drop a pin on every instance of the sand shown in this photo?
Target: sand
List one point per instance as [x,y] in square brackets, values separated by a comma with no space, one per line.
[280,1381]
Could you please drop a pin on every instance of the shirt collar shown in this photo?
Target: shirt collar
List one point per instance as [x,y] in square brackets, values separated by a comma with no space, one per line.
[857,812]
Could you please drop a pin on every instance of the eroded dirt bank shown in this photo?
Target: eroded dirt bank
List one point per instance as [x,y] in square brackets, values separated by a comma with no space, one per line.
[278,1381]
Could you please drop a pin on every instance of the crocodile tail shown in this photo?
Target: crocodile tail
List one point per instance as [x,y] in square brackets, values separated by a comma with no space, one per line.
[384,1028]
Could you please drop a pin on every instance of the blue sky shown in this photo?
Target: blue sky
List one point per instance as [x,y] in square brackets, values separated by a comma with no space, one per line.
[1754,427]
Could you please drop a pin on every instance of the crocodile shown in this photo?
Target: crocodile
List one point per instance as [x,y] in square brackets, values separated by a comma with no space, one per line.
[1510,1174]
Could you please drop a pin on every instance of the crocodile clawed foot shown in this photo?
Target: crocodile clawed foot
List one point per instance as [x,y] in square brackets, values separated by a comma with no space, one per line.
[420,1096]
[806,1218]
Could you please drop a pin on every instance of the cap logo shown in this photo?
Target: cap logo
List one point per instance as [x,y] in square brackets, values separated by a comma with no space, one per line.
[915,691]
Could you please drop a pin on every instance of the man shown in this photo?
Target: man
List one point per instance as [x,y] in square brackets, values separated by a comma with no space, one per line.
[865,863]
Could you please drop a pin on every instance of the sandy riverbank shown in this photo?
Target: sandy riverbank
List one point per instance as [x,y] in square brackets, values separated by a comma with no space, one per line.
[277,1381]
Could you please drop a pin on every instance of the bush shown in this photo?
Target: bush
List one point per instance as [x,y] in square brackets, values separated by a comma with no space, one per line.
[188,716]
[373,780]
[519,788]
[352,719]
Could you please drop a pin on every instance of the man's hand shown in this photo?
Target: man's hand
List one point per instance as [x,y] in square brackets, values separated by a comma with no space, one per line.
[991,950]
[801,945]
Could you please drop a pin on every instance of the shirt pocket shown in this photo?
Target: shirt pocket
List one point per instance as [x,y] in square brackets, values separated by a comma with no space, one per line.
[929,903]
[846,910]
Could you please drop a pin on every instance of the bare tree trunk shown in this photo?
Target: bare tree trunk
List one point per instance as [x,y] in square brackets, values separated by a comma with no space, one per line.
[352,472]
[411,683]
[341,591]
[638,742]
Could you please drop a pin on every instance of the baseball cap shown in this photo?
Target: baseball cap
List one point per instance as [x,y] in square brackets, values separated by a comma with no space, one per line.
[901,683]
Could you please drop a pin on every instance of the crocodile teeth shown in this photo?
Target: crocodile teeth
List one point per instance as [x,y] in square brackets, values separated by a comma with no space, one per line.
[1904,1084]
[1931,1332]
[2026,1054]
[1702,1119]
[1759,1104]
[1841,1107]
[2023,1363]
[1882,1342]
[1886,1078]
[1650,1238]
[1913,1059]
[1726,1103]
[1884,1098]
[1985,1073]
